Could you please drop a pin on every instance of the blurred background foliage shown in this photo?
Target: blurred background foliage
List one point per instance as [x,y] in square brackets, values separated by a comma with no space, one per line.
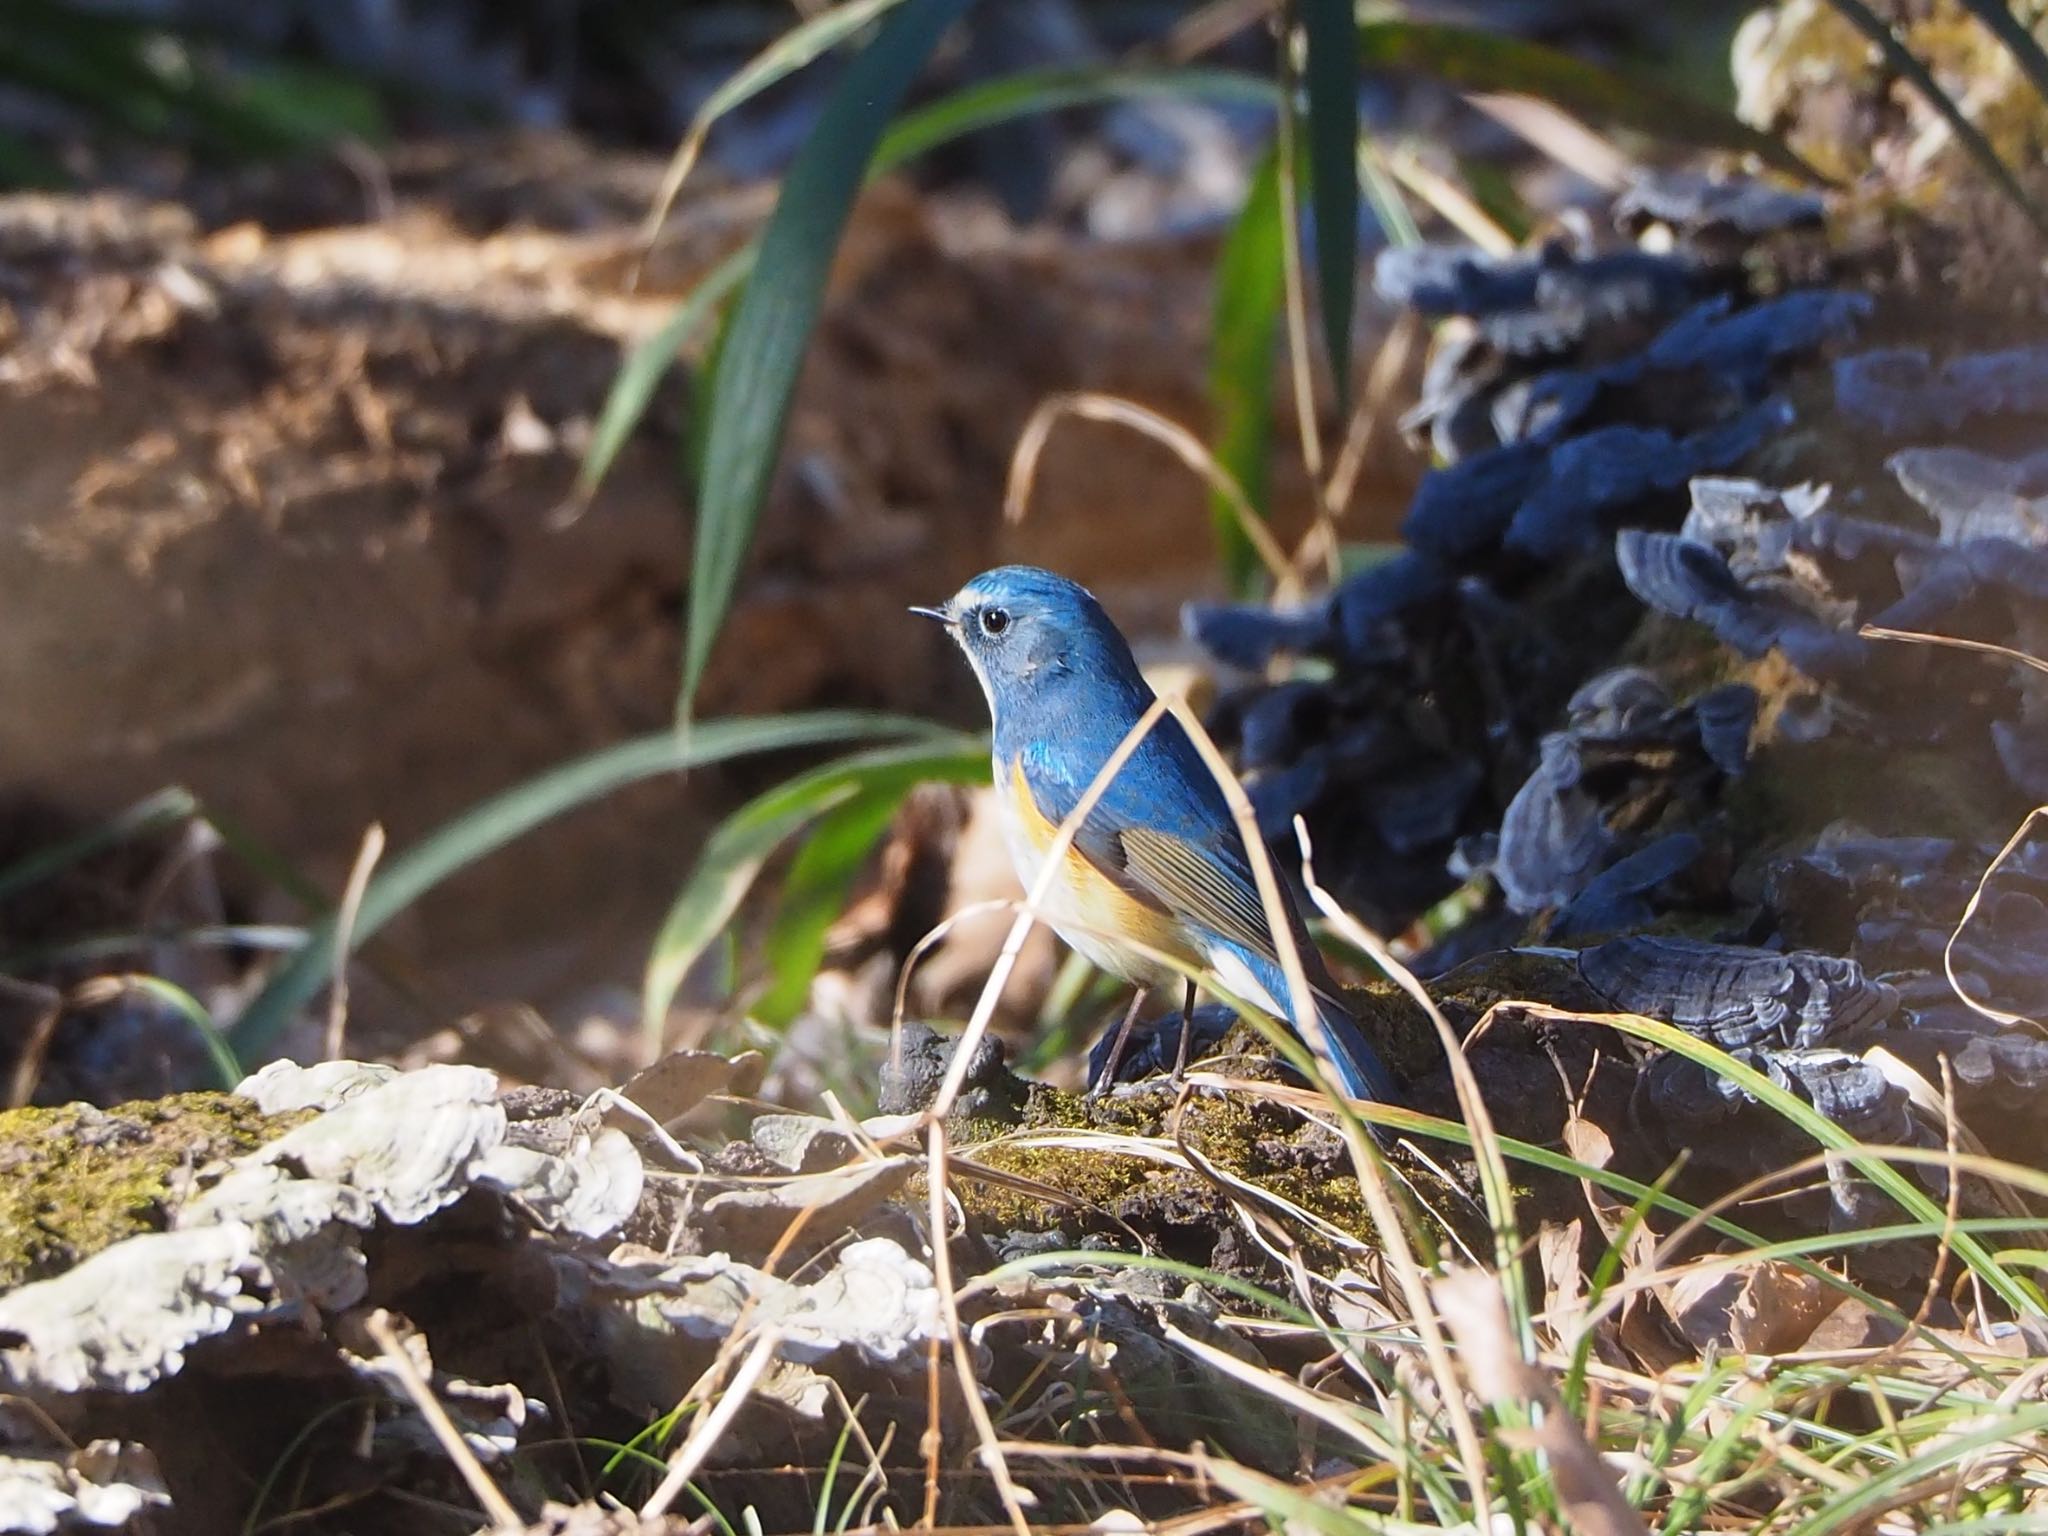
[79,78]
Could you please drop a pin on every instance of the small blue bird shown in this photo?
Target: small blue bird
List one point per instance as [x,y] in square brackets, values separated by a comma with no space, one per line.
[1159,860]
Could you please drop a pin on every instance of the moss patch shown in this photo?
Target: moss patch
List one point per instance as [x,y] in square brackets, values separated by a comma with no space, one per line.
[74,1179]
[1107,1191]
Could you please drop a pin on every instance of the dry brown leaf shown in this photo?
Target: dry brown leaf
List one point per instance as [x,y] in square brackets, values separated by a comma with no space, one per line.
[1477,1316]
[682,1080]
[1766,1308]
[1564,1279]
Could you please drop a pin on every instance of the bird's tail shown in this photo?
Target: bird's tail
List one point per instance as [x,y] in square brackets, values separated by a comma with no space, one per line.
[1360,1071]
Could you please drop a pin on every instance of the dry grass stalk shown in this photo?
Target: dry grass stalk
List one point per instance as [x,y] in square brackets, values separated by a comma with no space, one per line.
[1475,1312]
[503,1516]
[1365,1158]
[367,855]
[1300,359]
[689,1456]
[1189,449]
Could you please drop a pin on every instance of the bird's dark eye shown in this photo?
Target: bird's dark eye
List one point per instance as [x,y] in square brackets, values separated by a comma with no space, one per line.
[994,621]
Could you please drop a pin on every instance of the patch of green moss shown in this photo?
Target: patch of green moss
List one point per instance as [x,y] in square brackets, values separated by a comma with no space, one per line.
[75,1180]
[1105,1191]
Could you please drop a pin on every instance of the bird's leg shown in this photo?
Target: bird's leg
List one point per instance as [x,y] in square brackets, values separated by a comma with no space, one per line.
[1116,1049]
[1187,1028]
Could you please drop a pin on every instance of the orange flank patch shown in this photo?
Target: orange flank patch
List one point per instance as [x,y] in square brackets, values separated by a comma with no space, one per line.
[1085,905]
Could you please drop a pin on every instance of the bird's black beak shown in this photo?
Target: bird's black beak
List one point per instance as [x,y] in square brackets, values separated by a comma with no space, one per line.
[939,614]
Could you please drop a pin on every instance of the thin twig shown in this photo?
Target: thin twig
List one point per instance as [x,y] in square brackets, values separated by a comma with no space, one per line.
[344,930]
[1388,364]
[503,1516]
[1300,357]
[1189,449]
[28,1067]
[689,1456]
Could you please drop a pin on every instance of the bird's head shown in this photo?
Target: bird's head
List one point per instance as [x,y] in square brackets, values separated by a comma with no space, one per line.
[1024,630]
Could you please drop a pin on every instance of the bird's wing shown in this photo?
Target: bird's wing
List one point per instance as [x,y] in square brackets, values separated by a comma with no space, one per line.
[1191,881]
[1163,833]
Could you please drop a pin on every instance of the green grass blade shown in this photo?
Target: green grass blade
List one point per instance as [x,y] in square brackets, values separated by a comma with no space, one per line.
[1251,288]
[1900,59]
[832,1466]
[153,813]
[1910,1197]
[744,842]
[485,828]
[771,324]
[186,1006]
[1855,1508]
[1384,196]
[648,363]
[1047,90]
[1473,60]
[1289,1508]
[1331,75]
[1572,1389]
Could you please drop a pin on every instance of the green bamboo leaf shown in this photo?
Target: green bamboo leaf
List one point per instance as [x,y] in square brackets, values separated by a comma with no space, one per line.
[771,322]
[746,840]
[648,364]
[1331,75]
[1251,289]
[153,813]
[915,133]
[819,885]
[777,62]
[485,828]
[1900,59]
[821,877]
[1473,60]
[1048,90]
[732,860]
